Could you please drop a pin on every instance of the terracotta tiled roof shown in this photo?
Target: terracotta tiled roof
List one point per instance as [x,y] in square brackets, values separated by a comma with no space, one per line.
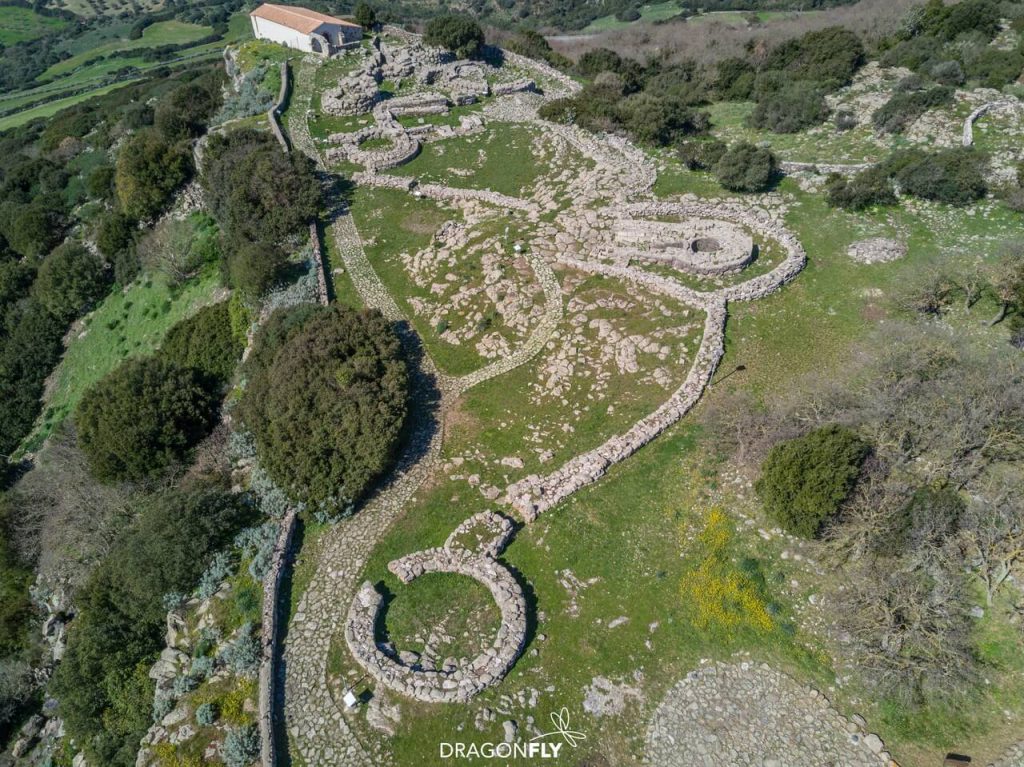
[300,19]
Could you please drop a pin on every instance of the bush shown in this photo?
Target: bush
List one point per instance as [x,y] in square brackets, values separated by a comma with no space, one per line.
[70,280]
[325,402]
[948,73]
[628,14]
[206,342]
[256,192]
[655,120]
[254,268]
[149,169]
[143,417]
[868,188]
[828,55]
[804,481]
[102,683]
[844,120]
[953,176]
[790,109]
[185,111]
[241,746]
[734,79]
[206,714]
[746,168]
[459,34]
[242,654]
[904,108]
[701,154]
[364,15]
[15,609]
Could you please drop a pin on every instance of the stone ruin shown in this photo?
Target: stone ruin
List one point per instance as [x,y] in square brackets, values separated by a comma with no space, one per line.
[697,246]
[470,550]
[876,250]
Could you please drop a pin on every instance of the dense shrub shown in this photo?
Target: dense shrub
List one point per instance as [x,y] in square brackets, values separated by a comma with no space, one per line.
[804,481]
[831,55]
[953,176]
[102,683]
[870,187]
[948,73]
[34,228]
[746,168]
[790,109]
[185,111]
[241,746]
[459,34]
[530,42]
[904,108]
[31,347]
[364,15]
[143,417]
[734,79]
[15,579]
[206,342]
[325,402]
[701,154]
[149,169]
[661,121]
[257,192]
[70,280]
[254,268]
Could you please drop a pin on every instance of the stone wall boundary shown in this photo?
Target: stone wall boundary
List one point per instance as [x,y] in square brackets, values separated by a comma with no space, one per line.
[269,637]
[273,114]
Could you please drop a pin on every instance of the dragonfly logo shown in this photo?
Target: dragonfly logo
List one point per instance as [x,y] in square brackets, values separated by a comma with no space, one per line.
[547,745]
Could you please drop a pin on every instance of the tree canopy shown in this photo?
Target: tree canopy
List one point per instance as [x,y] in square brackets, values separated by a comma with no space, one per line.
[459,34]
[142,417]
[149,168]
[325,401]
[804,480]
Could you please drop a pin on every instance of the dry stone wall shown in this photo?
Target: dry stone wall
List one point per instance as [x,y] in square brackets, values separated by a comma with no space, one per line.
[456,682]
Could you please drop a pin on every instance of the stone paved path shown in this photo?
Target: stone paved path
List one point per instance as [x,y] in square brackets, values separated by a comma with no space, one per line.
[749,715]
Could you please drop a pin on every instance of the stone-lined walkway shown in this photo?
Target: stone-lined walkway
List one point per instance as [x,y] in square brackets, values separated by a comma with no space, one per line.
[749,715]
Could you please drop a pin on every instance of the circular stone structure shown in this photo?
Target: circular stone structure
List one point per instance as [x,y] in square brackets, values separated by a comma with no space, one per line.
[470,550]
[703,246]
[747,715]
[876,250]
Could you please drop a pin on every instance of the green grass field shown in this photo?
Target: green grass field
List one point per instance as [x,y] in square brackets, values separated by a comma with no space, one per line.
[52,107]
[20,24]
[129,323]
[171,32]
[655,12]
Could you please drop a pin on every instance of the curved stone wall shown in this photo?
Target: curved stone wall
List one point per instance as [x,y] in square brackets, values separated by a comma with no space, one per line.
[455,684]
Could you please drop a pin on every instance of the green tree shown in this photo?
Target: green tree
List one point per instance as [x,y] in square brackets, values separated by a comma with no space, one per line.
[254,268]
[142,417]
[257,192]
[206,342]
[70,280]
[804,481]
[149,169]
[365,16]
[459,34]
[325,401]
[746,168]
[102,684]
